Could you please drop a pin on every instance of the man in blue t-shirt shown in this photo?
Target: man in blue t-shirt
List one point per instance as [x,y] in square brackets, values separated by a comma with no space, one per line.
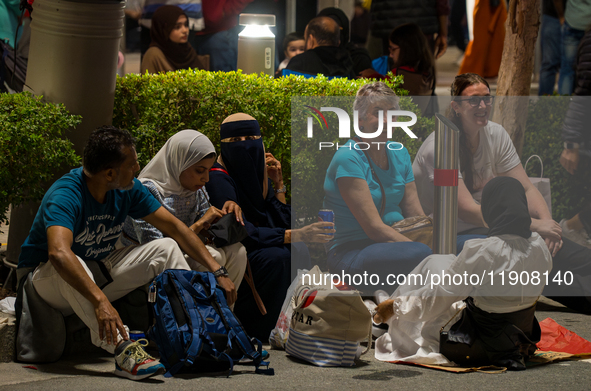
[71,246]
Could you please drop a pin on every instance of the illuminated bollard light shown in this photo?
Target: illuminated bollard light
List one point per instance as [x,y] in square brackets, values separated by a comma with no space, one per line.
[445,179]
[256,44]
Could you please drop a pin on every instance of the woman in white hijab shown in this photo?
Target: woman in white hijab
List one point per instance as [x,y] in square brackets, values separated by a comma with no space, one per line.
[176,176]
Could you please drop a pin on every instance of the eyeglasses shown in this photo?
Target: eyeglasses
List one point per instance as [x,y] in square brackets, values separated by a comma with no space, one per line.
[474,101]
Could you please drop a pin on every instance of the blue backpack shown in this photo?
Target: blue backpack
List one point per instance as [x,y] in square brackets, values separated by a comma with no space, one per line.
[194,327]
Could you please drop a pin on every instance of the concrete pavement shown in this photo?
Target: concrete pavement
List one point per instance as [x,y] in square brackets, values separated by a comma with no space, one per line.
[93,371]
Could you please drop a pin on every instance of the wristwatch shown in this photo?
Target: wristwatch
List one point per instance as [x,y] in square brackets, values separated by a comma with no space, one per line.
[221,272]
[282,190]
[569,145]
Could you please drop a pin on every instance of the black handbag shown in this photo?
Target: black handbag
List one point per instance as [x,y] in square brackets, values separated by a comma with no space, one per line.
[225,231]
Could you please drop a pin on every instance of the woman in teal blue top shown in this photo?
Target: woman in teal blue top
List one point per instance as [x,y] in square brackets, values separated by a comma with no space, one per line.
[364,241]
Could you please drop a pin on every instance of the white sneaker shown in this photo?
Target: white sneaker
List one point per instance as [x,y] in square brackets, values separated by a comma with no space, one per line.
[377,330]
[578,236]
[134,363]
[380,295]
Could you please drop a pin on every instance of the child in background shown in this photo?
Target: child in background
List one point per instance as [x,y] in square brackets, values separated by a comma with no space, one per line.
[293,44]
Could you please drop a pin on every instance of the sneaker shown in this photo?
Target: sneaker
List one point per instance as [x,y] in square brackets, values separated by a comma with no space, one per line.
[380,295]
[377,330]
[371,306]
[578,236]
[132,361]
[247,360]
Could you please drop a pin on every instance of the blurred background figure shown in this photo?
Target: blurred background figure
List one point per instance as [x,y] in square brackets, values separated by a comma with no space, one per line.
[484,52]
[360,56]
[430,15]
[323,54]
[169,49]
[458,29]
[293,44]
[360,24]
[550,36]
[15,35]
[412,58]
[576,134]
[219,38]
[192,8]
[577,18]
[10,18]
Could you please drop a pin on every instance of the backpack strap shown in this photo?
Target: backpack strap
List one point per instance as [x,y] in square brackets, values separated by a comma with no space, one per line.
[244,343]
[190,290]
[196,342]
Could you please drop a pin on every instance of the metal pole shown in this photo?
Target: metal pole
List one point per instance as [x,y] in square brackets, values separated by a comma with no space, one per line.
[445,180]
[290,16]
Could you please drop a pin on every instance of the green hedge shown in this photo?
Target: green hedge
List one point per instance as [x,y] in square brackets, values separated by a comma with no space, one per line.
[31,147]
[154,107]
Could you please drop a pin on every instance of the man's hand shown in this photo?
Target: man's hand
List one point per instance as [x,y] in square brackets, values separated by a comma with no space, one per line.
[441,40]
[228,286]
[367,73]
[314,233]
[440,45]
[109,322]
[273,169]
[569,158]
[232,207]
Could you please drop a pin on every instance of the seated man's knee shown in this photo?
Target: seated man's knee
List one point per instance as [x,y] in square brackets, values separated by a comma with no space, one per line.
[169,253]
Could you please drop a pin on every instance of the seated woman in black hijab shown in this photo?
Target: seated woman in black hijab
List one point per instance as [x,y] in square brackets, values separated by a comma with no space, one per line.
[498,324]
[252,178]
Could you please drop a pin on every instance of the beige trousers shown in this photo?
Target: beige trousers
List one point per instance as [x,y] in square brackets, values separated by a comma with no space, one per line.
[232,257]
[129,267]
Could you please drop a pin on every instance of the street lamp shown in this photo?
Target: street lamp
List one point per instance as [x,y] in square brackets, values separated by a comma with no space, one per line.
[256,44]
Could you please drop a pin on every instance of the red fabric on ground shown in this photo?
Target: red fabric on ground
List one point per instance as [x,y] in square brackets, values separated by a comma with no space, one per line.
[556,338]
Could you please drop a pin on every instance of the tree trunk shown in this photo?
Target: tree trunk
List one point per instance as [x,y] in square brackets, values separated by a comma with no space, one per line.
[517,66]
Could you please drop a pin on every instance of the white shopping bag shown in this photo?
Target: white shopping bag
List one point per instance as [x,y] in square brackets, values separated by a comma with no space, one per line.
[541,183]
[278,337]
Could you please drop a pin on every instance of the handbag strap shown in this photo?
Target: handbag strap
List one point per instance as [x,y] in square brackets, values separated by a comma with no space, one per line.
[452,318]
[377,179]
[541,164]
[250,281]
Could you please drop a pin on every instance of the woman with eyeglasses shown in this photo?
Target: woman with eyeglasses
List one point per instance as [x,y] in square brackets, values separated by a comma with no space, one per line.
[486,151]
